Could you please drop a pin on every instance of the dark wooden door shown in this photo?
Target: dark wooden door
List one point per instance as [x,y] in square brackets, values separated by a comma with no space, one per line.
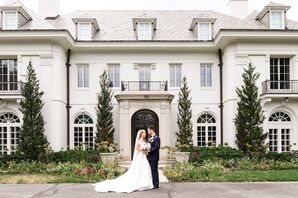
[142,120]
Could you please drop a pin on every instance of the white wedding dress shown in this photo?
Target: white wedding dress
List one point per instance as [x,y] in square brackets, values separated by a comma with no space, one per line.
[137,178]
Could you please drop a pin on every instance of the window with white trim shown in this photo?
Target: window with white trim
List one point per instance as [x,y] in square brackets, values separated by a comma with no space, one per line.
[84,31]
[83,132]
[10,20]
[175,75]
[144,31]
[277,20]
[206,75]
[280,127]
[204,31]
[9,133]
[206,130]
[83,76]
[114,75]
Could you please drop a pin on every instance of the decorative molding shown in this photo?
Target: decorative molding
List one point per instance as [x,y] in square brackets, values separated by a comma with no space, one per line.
[46,60]
[242,59]
[3,104]
[136,65]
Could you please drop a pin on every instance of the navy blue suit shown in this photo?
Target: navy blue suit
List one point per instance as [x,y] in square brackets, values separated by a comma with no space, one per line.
[153,158]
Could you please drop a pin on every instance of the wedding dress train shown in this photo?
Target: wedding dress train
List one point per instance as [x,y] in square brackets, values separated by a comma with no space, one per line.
[136,178]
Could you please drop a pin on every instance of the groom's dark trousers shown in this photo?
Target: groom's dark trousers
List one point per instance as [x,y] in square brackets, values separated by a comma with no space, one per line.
[153,158]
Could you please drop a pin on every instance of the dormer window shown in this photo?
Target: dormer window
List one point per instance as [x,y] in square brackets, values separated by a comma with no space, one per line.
[144,31]
[277,19]
[86,28]
[274,16]
[144,28]
[204,31]
[13,15]
[10,20]
[84,31]
[202,28]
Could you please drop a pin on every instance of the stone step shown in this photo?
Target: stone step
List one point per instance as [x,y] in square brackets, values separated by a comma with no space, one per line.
[126,164]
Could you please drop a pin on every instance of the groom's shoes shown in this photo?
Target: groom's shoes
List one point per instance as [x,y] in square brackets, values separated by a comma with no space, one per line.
[155,187]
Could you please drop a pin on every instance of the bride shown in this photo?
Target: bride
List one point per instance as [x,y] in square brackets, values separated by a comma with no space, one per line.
[137,177]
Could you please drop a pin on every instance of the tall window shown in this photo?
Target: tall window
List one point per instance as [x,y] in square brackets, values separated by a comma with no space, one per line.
[204,31]
[144,77]
[279,73]
[84,132]
[144,31]
[10,21]
[9,133]
[114,75]
[175,75]
[277,20]
[206,130]
[8,74]
[84,31]
[83,75]
[206,75]
[280,124]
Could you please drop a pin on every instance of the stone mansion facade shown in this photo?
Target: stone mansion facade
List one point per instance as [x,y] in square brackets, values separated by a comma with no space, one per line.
[146,54]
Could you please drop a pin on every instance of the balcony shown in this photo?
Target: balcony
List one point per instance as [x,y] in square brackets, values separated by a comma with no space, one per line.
[144,91]
[144,86]
[280,89]
[11,89]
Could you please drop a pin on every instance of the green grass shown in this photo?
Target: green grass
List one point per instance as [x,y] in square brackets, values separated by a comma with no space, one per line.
[260,176]
[231,176]
[40,178]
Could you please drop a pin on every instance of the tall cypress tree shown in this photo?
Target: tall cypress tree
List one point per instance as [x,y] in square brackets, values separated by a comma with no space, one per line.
[104,109]
[250,116]
[32,140]
[184,135]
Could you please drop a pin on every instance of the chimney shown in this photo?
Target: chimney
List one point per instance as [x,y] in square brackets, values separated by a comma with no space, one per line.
[49,8]
[238,8]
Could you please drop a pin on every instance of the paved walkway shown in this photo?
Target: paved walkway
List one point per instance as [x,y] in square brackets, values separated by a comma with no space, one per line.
[171,190]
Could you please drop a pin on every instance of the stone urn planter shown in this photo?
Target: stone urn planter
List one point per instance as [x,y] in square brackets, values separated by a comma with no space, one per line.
[181,156]
[108,158]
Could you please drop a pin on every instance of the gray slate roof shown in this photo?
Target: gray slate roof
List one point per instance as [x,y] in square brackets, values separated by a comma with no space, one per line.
[171,25]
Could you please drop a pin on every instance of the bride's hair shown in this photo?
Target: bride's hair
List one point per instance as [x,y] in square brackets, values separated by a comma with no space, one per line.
[140,133]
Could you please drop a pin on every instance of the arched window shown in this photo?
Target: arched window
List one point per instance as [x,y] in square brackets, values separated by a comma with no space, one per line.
[280,116]
[84,132]
[9,133]
[206,130]
[280,132]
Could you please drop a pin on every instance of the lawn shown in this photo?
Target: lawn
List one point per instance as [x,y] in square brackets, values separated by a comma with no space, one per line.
[259,176]
[231,176]
[39,178]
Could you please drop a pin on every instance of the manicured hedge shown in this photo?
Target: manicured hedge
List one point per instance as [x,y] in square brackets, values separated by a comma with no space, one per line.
[91,156]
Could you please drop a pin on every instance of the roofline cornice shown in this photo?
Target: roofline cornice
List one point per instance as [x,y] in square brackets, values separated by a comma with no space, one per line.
[225,36]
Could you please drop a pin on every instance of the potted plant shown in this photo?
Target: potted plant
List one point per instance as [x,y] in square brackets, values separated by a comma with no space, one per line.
[104,139]
[107,152]
[182,152]
[184,116]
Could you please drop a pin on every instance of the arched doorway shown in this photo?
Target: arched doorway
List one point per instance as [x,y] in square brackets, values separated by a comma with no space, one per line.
[280,129]
[141,120]
[83,132]
[9,133]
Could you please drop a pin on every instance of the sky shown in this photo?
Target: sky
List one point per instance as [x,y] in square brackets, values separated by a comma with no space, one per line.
[67,6]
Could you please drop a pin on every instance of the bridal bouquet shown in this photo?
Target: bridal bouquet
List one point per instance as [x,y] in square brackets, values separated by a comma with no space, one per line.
[145,146]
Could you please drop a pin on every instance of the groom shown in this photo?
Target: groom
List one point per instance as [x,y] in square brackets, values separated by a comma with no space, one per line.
[153,156]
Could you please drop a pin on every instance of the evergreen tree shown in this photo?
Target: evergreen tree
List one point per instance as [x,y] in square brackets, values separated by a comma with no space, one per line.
[104,109]
[184,135]
[32,140]
[249,118]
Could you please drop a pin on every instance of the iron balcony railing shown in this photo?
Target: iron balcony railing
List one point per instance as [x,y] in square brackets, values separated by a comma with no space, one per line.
[280,87]
[144,85]
[11,87]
